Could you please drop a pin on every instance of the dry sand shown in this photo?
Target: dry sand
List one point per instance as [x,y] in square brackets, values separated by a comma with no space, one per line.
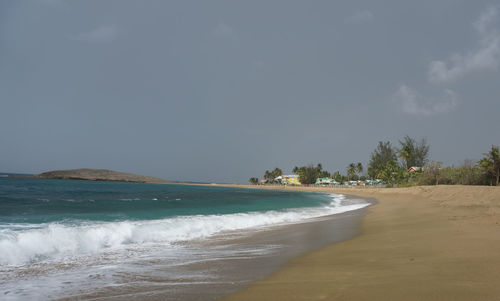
[419,243]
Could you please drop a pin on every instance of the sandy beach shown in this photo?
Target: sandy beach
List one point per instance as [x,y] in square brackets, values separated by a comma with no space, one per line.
[419,243]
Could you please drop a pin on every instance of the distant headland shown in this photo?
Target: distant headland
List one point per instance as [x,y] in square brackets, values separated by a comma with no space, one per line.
[98,175]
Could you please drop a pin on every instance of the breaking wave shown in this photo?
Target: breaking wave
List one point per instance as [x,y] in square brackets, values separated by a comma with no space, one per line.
[21,245]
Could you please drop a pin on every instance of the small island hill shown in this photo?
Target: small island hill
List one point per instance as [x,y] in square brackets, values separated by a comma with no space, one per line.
[98,175]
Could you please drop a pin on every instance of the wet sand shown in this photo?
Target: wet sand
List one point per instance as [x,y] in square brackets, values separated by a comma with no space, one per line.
[290,242]
[241,265]
[419,243]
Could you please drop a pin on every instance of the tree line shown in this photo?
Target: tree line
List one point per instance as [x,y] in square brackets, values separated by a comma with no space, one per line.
[392,165]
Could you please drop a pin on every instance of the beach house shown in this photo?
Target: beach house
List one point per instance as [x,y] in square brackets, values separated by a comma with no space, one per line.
[289,179]
[326,181]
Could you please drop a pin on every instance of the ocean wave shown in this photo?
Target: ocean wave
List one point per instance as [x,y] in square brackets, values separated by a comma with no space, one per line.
[56,240]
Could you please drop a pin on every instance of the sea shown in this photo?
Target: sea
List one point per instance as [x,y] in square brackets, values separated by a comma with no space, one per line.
[70,239]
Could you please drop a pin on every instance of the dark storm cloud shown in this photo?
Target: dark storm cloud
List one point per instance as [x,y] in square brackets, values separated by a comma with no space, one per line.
[222,90]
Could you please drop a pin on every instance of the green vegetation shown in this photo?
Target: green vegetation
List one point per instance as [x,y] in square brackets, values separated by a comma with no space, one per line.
[466,174]
[254,181]
[359,169]
[269,176]
[354,171]
[351,170]
[431,174]
[484,172]
[383,161]
[408,165]
[413,153]
[490,165]
[338,177]
[309,174]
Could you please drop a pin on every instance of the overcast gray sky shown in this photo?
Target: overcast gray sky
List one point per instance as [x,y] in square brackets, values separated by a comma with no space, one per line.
[219,91]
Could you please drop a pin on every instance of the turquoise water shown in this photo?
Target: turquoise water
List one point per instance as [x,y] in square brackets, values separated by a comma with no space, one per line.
[32,201]
[62,238]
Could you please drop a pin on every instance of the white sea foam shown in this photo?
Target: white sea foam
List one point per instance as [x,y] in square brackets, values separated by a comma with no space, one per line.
[52,241]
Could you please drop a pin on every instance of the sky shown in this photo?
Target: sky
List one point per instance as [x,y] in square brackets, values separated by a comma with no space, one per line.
[220,91]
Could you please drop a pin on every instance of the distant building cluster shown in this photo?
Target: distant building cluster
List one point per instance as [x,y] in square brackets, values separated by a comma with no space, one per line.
[327,181]
[285,180]
[332,182]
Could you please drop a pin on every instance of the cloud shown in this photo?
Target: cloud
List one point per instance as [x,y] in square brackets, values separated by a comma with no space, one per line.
[486,19]
[485,57]
[103,34]
[359,17]
[222,30]
[412,103]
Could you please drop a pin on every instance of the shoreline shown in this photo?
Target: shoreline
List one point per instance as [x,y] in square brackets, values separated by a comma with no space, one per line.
[204,268]
[417,243]
[235,272]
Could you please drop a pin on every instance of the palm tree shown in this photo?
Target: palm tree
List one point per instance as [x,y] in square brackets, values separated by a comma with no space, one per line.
[276,172]
[337,176]
[413,152]
[351,170]
[267,175]
[388,173]
[359,168]
[254,181]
